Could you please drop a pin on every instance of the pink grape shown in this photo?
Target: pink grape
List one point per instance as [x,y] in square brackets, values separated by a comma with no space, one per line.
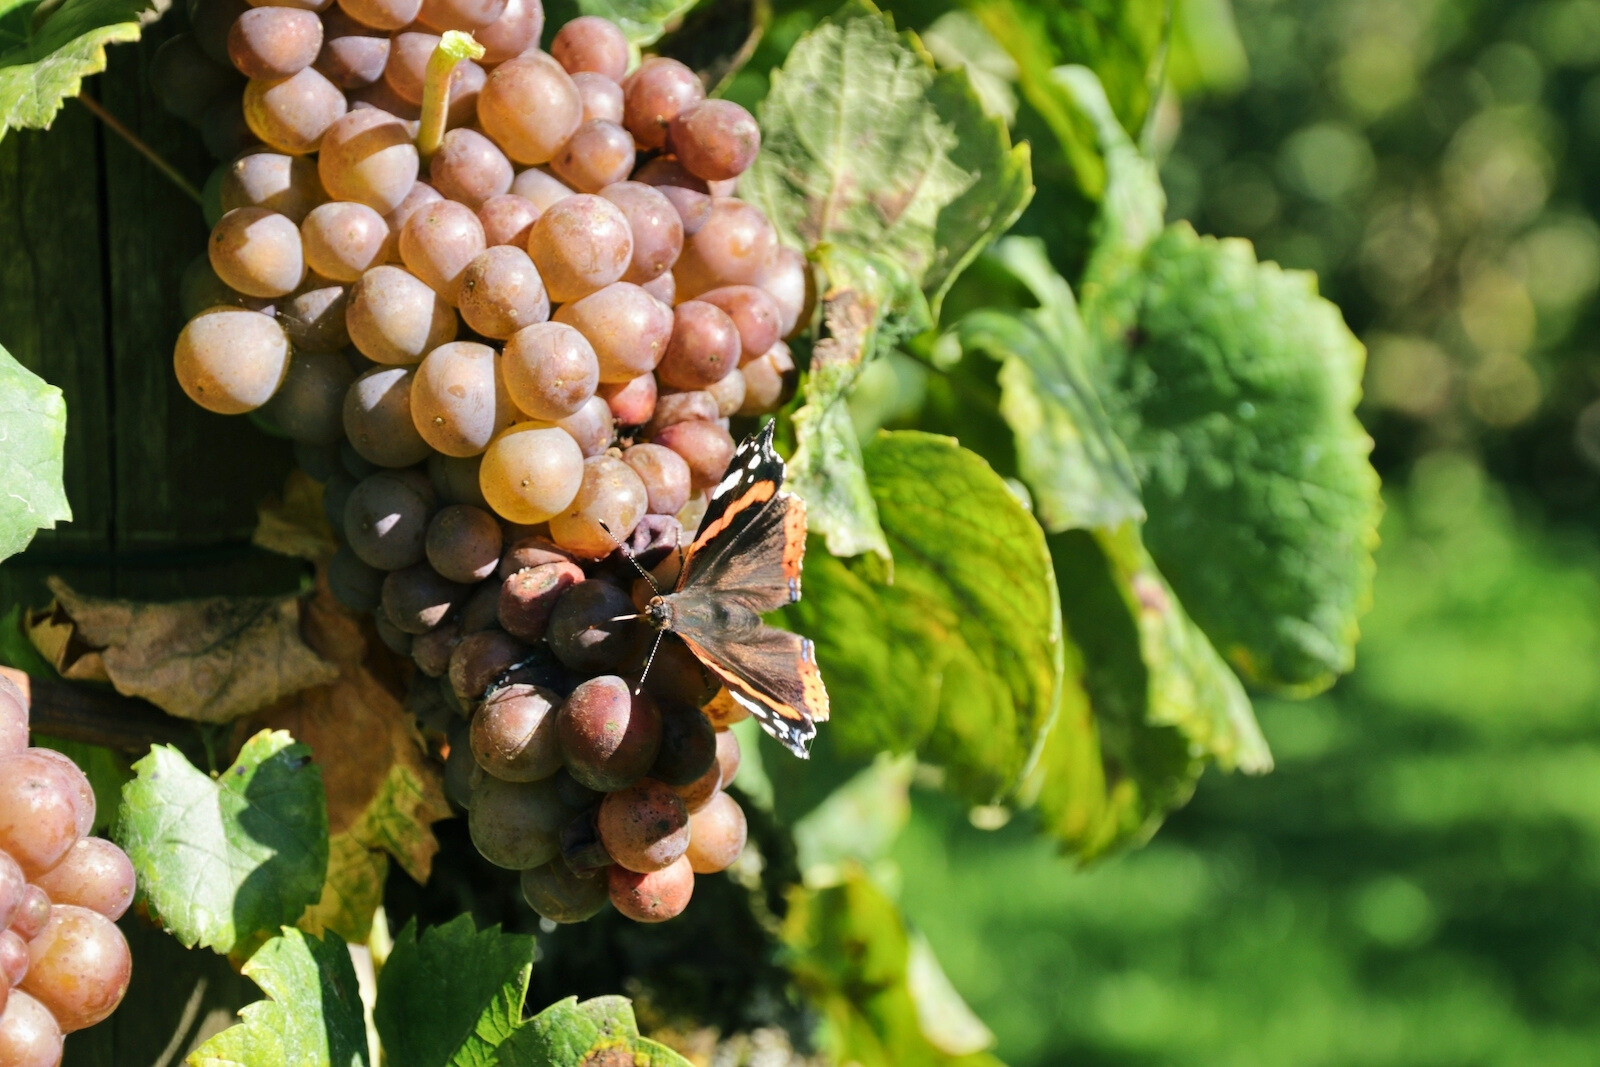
[94,874]
[716,835]
[514,32]
[539,188]
[507,220]
[530,107]
[654,897]
[631,402]
[230,361]
[383,14]
[437,243]
[591,426]
[257,252]
[274,42]
[550,369]
[732,248]
[457,404]
[665,476]
[368,156]
[602,97]
[352,55]
[599,153]
[715,140]
[263,178]
[395,317]
[556,893]
[580,244]
[612,496]
[463,543]
[78,967]
[630,330]
[654,95]
[444,15]
[292,114]
[514,734]
[469,168]
[378,421]
[501,293]
[29,1034]
[342,240]
[531,472]
[590,43]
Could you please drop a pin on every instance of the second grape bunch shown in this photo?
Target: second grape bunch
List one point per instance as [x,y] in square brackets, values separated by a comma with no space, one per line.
[500,360]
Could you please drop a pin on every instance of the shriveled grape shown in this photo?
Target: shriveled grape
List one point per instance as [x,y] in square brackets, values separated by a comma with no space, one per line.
[555,892]
[612,498]
[514,734]
[654,897]
[609,735]
[531,472]
[528,597]
[230,361]
[501,292]
[479,659]
[530,107]
[395,317]
[580,244]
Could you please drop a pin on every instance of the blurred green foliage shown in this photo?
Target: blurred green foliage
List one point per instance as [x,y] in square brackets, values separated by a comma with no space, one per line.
[1436,162]
[1412,885]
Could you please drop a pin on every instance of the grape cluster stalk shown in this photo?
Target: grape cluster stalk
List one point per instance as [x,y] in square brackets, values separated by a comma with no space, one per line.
[506,307]
[64,965]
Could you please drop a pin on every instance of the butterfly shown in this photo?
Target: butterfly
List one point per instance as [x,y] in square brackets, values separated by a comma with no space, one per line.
[745,560]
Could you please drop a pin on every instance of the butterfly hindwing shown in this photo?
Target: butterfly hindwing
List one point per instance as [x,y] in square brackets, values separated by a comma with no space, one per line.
[772,673]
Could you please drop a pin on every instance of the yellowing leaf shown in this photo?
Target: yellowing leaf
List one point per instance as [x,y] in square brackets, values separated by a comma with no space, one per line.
[210,660]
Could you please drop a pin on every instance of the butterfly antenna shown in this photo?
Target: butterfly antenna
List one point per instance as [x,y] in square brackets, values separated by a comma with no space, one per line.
[629,557]
[652,658]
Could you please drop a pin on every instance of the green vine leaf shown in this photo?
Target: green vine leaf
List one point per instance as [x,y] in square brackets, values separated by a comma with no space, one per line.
[42,62]
[642,21]
[868,147]
[1078,470]
[960,657]
[33,431]
[223,860]
[1234,386]
[452,995]
[313,1017]
[594,1032]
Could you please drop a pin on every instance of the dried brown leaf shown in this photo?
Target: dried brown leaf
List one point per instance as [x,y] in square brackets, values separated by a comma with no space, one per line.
[293,524]
[210,660]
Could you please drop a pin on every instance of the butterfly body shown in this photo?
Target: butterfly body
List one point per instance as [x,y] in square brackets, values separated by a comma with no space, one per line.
[745,560]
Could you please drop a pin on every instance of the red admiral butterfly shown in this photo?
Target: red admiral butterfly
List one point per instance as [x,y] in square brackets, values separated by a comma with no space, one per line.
[745,560]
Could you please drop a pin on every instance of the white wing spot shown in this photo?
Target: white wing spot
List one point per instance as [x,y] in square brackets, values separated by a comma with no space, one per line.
[725,485]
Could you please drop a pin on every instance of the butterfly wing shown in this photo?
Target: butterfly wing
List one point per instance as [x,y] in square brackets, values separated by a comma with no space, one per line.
[773,674]
[755,474]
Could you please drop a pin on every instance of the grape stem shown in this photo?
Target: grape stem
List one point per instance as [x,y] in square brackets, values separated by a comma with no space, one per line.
[94,108]
[97,716]
[453,47]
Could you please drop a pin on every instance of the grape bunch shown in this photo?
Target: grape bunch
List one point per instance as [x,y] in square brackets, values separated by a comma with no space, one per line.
[511,354]
[64,965]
